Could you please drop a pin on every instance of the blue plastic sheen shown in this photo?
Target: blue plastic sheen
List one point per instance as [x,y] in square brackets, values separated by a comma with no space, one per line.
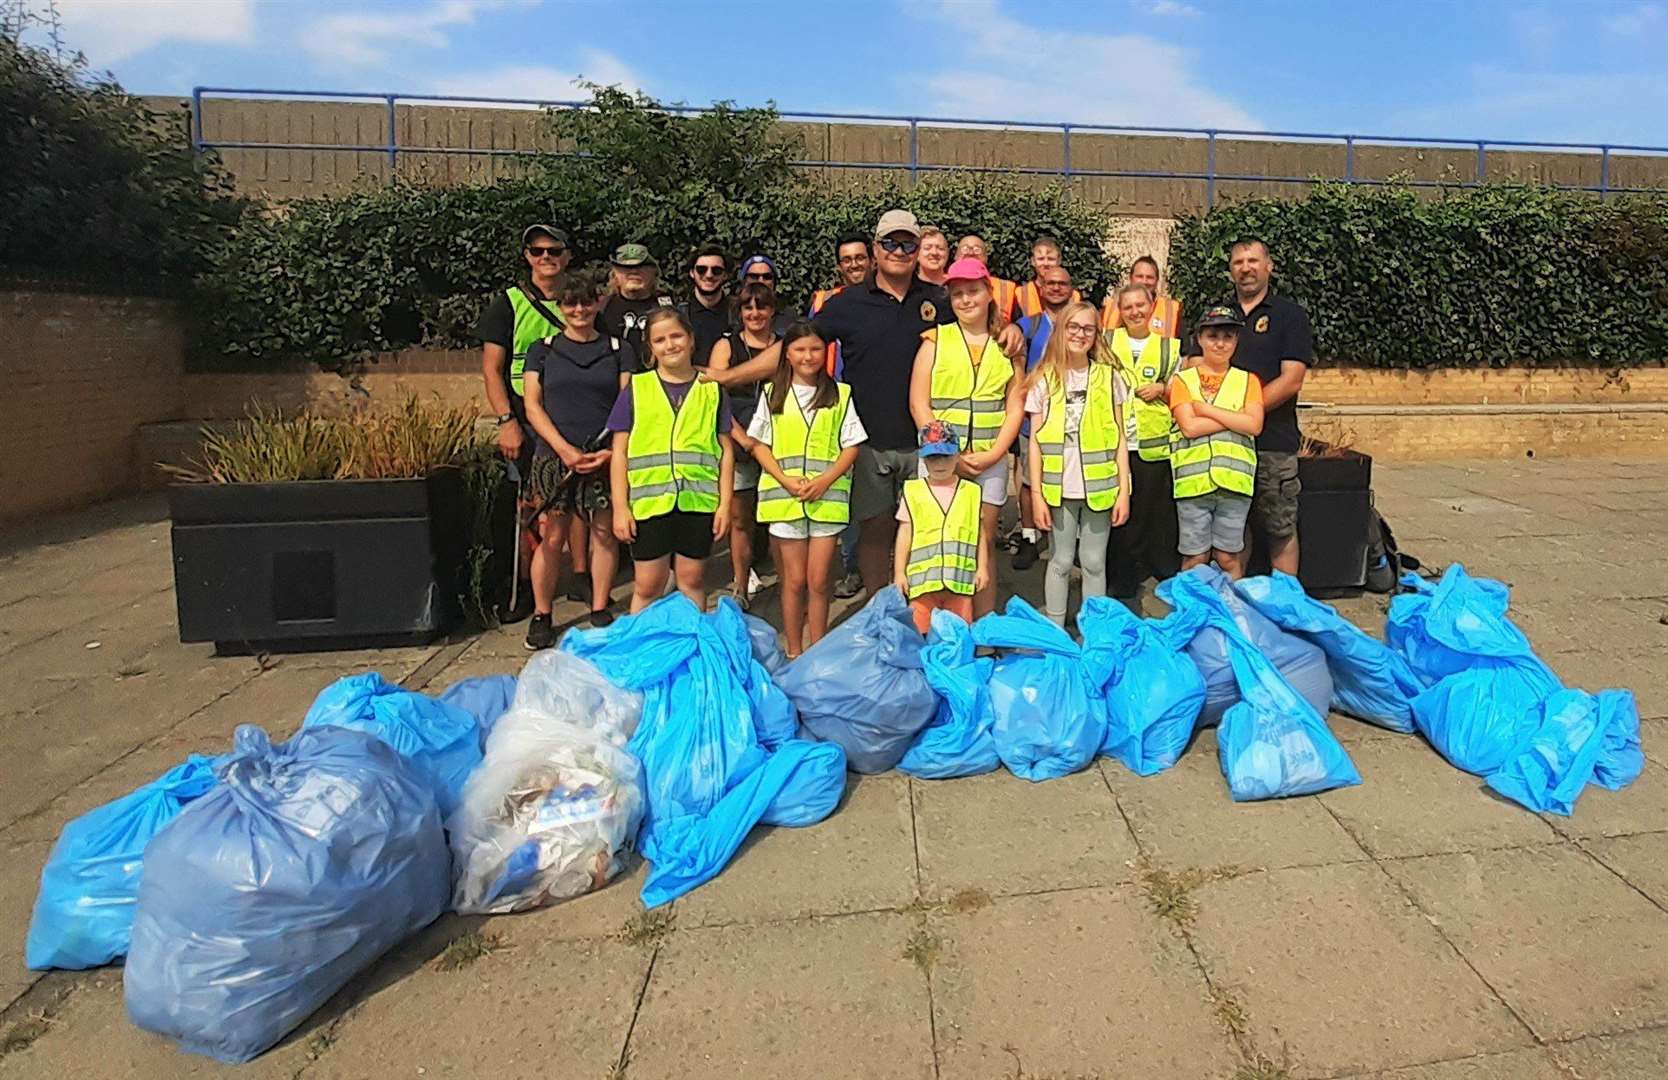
[958,742]
[1153,692]
[1557,761]
[485,697]
[1049,717]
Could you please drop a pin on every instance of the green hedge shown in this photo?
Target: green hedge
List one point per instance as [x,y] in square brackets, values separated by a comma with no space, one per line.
[1492,276]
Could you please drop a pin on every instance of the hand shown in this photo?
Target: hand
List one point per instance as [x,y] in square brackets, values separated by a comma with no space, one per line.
[625,526]
[721,377]
[1040,513]
[1012,341]
[966,471]
[977,462]
[721,519]
[1151,392]
[981,579]
[510,439]
[814,488]
[902,585]
[797,486]
[1120,509]
[572,457]
[595,460]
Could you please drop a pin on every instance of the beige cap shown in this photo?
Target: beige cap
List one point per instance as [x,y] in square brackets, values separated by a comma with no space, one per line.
[897,221]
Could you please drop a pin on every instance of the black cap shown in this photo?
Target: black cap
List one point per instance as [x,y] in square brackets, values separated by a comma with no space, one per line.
[1221,315]
[551,231]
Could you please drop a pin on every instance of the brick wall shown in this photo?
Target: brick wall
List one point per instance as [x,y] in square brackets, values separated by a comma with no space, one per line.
[1436,432]
[80,375]
[1489,386]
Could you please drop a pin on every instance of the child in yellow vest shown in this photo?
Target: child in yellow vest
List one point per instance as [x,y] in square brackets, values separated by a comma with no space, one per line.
[673,465]
[805,437]
[940,561]
[1219,411]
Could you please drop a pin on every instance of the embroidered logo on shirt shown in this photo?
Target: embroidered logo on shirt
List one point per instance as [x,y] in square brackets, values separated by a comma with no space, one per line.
[1262,325]
[928,312]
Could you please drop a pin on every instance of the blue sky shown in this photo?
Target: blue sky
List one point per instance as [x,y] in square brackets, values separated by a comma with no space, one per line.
[1571,71]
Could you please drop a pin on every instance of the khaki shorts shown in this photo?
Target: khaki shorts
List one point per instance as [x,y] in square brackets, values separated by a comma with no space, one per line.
[1274,503]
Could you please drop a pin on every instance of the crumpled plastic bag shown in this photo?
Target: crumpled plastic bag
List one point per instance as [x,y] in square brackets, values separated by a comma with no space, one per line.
[704,764]
[774,715]
[863,686]
[1444,628]
[1301,663]
[90,884]
[1572,732]
[1154,693]
[485,697]
[307,862]
[442,740]
[1370,681]
[1049,718]
[557,801]
[1621,759]
[958,742]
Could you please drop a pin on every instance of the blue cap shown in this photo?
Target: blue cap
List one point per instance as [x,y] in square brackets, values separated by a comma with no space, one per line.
[938,439]
[754,260]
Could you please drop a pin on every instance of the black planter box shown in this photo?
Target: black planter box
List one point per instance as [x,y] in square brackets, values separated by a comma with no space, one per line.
[1333,514]
[317,563]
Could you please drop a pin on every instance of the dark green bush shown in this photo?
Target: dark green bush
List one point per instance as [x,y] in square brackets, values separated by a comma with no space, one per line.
[1492,276]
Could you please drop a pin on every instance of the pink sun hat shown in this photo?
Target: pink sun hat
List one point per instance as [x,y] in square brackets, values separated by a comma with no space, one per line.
[967,269]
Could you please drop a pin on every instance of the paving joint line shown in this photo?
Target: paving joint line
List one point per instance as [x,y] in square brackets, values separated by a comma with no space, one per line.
[1581,846]
[915,848]
[623,1063]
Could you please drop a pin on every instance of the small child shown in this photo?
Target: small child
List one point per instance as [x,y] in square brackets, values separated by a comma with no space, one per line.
[806,439]
[939,562]
[1219,411]
[673,465]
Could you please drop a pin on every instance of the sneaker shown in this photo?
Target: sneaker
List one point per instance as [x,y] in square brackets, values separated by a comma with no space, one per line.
[540,634]
[600,619]
[579,589]
[849,586]
[753,584]
[1026,556]
[523,605]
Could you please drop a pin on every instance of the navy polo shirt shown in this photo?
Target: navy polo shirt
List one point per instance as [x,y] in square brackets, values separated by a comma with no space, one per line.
[879,336]
[1275,330]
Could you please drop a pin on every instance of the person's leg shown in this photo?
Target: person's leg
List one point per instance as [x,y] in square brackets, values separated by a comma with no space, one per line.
[648,581]
[874,553]
[605,559]
[691,578]
[741,539]
[822,551]
[1231,563]
[874,507]
[792,555]
[1062,549]
[921,609]
[958,605]
[1094,535]
[1193,525]
[1227,532]
[547,561]
[1274,508]
[577,545]
[1122,553]
[990,517]
[1156,489]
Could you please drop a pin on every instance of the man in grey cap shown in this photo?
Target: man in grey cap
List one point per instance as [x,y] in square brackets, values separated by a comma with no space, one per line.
[636,292]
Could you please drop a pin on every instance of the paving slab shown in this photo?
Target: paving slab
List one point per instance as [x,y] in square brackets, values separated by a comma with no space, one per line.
[812,999]
[1516,1065]
[120,637]
[1184,817]
[861,858]
[1573,950]
[1078,983]
[1643,672]
[1335,965]
[20,880]
[1006,835]
[1641,807]
[1641,860]
[1412,802]
[1638,1055]
[600,914]
[470,665]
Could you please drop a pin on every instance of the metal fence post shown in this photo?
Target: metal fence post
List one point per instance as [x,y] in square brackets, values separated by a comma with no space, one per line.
[1349,158]
[914,152]
[1604,172]
[393,142]
[1482,162]
[197,119]
[1210,168]
[1065,150]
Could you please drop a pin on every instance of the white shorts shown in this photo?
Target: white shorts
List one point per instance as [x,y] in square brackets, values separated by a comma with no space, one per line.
[993,482]
[804,529]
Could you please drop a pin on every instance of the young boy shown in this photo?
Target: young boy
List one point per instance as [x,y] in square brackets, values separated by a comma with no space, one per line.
[939,562]
[1219,411]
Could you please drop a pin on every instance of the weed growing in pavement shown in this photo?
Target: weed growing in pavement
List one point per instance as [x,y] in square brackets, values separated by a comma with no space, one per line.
[617,1071]
[647,927]
[468,948]
[1170,893]
[22,1035]
[321,1043]
[1019,1072]
[967,900]
[923,948]
[1262,1067]
[1230,1012]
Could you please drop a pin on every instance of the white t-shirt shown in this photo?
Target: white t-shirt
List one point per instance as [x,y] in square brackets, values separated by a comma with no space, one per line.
[1136,345]
[761,428]
[1077,397]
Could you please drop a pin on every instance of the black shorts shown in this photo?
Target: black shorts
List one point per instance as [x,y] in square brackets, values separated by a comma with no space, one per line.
[681,532]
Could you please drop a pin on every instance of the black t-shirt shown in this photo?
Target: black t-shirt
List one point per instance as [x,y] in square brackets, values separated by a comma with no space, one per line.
[744,400]
[625,319]
[579,381]
[1275,330]
[710,325]
[879,336]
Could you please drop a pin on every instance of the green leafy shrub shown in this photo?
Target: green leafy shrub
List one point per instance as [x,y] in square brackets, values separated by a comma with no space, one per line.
[1492,276]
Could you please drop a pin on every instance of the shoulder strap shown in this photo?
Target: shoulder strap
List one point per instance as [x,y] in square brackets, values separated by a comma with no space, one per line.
[538,306]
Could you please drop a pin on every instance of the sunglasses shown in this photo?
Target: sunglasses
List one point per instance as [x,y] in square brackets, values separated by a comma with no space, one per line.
[896,246]
[710,271]
[763,275]
[547,252]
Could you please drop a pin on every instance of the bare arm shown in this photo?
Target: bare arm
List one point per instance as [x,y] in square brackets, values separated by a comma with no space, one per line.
[1194,426]
[817,486]
[726,485]
[625,526]
[494,362]
[1040,512]
[767,461]
[1285,386]
[1126,482]
[900,556]
[758,369]
[1248,420]
[920,384]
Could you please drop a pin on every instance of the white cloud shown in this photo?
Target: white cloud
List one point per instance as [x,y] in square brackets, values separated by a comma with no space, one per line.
[1172,9]
[1637,20]
[1004,68]
[365,38]
[542,82]
[109,31]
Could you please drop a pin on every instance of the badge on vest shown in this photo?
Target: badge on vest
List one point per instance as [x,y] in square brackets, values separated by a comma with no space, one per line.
[1262,325]
[929,313]
[1149,373]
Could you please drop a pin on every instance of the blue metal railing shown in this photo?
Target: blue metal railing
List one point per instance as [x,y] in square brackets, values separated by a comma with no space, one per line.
[392,148]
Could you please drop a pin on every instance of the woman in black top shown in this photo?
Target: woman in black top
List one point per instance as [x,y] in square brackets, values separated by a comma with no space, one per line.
[755,332]
[572,380]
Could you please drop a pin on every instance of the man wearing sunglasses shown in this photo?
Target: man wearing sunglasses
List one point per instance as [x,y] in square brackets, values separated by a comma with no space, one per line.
[709,310]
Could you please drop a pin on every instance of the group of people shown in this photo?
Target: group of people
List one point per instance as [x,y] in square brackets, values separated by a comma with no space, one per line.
[876,439]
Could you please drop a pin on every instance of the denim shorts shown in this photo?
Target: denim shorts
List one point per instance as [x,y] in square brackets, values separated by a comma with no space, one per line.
[1214,521]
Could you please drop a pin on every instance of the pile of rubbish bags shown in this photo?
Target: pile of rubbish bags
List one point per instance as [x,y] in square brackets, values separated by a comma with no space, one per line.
[245,890]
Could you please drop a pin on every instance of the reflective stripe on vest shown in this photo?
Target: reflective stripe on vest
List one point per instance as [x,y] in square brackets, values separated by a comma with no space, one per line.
[529,327]
[1226,461]
[972,400]
[1030,300]
[943,547]
[1097,442]
[803,449]
[672,456]
[1166,320]
[1155,424]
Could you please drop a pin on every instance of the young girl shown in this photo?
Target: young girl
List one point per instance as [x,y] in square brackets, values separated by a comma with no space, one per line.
[963,378]
[806,439]
[1079,457]
[673,464]
[756,308]
[941,561]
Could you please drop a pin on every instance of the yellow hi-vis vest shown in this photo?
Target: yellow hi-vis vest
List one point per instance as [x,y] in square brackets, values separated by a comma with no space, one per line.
[971,398]
[1155,424]
[1097,442]
[672,457]
[1226,460]
[943,547]
[530,326]
[806,449]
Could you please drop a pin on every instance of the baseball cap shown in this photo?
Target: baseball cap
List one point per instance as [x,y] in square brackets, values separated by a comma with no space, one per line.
[629,255]
[756,260]
[1221,315]
[937,439]
[897,221]
[967,270]
[551,231]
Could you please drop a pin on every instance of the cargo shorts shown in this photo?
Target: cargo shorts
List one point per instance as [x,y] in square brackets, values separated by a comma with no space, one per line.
[1274,499]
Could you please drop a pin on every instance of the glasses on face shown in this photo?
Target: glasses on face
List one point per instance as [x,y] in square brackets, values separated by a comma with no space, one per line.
[900,247]
[1056,283]
[853,260]
[710,271]
[555,252]
[763,275]
[1082,329]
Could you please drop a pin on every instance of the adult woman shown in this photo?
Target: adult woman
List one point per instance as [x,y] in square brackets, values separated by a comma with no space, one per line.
[756,311]
[572,381]
[1146,361]
[935,255]
[963,378]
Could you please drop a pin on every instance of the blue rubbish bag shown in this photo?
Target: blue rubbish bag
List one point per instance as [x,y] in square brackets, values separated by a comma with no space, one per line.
[958,742]
[863,686]
[1370,681]
[774,715]
[307,862]
[442,740]
[485,697]
[767,649]
[1300,663]
[1153,692]
[1049,717]
[1444,628]
[708,777]
[1560,757]
[1621,759]
[84,911]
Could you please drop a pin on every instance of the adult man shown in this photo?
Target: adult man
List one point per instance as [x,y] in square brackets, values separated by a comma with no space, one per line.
[1166,317]
[1002,291]
[851,265]
[1054,291]
[1045,253]
[636,277]
[934,262]
[709,310]
[1277,346]
[511,322]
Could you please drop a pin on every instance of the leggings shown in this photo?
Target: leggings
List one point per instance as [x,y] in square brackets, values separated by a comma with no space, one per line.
[1082,532]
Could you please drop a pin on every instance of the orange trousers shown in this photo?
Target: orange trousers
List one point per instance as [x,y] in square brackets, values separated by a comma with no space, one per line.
[956,604]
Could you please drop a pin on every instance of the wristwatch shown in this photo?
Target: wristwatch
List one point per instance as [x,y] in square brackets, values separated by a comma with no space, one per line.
[504,418]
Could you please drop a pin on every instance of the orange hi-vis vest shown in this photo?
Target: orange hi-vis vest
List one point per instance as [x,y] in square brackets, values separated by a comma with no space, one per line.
[1030,299]
[1166,321]
[818,299]
[1006,295]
